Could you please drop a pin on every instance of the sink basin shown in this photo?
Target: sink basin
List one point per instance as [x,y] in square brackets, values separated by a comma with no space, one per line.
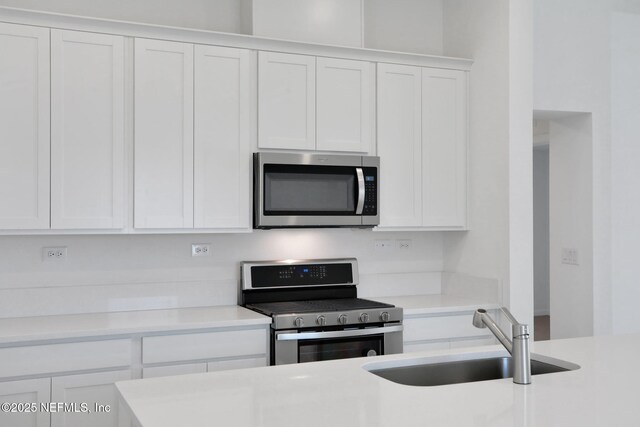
[463,371]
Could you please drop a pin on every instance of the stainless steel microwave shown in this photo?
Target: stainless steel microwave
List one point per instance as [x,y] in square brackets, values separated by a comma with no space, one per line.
[315,190]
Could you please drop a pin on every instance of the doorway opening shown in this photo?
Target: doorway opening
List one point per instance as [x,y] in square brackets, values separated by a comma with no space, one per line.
[563,224]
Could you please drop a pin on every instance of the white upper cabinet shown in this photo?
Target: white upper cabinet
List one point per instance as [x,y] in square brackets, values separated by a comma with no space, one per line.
[309,103]
[224,125]
[24,127]
[345,105]
[422,144]
[444,147]
[286,101]
[400,145]
[87,130]
[163,169]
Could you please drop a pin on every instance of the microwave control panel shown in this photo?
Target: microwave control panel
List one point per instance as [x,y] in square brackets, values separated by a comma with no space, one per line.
[370,191]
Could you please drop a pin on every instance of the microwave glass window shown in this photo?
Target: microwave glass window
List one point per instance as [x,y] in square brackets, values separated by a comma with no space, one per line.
[309,192]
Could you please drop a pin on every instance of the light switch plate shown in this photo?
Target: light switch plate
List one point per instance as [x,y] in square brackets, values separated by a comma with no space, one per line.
[570,256]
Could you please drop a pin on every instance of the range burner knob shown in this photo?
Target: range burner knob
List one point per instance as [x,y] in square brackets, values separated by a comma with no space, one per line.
[384,316]
[343,319]
[299,322]
[364,318]
[321,320]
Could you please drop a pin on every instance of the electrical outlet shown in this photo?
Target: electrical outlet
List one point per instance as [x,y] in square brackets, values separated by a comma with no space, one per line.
[383,244]
[404,244]
[55,254]
[570,256]
[201,249]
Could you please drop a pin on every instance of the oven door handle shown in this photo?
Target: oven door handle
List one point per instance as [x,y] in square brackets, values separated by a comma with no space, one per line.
[337,334]
[361,190]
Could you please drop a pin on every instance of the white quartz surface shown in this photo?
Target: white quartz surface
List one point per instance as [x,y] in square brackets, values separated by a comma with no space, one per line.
[603,392]
[431,304]
[16,330]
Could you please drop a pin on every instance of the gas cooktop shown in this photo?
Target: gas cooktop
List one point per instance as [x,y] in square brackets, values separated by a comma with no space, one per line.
[311,306]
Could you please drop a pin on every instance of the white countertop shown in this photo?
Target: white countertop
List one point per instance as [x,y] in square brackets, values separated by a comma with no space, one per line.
[23,329]
[603,392]
[431,304]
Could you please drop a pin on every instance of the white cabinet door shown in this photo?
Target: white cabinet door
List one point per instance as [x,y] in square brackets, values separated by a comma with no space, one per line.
[400,145]
[26,391]
[24,127]
[87,130]
[163,134]
[444,148]
[345,105]
[286,101]
[96,390]
[224,105]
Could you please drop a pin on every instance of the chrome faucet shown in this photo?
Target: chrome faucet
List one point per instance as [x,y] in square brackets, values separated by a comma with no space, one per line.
[518,348]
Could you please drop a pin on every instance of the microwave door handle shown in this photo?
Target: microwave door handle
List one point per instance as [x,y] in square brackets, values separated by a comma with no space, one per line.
[361,190]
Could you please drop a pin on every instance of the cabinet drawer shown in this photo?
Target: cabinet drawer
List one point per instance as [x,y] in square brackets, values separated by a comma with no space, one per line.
[440,327]
[208,345]
[225,365]
[51,358]
[166,371]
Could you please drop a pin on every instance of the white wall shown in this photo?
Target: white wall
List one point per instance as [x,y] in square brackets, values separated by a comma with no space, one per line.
[571,72]
[404,25]
[520,289]
[570,226]
[541,230]
[335,22]
[625,161]
[597,77]
[116,273]
[496,34]
[233,16]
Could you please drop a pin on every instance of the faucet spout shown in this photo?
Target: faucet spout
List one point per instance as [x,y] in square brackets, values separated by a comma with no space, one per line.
[518,347]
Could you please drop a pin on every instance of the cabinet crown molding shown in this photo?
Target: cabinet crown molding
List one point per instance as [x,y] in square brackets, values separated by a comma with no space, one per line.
[133,29]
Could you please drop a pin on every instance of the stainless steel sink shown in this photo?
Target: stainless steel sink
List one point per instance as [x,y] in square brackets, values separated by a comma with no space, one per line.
[464,371]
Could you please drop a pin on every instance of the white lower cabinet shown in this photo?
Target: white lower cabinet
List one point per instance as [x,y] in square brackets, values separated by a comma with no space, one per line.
[96,390]
[77,378]
[36,391]
[222,350]
[443,331]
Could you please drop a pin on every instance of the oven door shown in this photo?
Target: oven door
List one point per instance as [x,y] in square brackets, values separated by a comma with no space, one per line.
[294,346]
[294,190]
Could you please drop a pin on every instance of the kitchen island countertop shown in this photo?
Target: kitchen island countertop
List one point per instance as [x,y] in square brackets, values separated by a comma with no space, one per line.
[603,392]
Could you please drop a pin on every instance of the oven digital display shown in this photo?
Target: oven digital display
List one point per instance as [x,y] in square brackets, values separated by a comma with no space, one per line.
[301,275]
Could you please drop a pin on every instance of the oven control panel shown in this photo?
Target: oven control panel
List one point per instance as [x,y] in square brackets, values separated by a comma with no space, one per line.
[301,274]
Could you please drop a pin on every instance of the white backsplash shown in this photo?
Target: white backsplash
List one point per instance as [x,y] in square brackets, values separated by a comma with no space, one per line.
[139,272]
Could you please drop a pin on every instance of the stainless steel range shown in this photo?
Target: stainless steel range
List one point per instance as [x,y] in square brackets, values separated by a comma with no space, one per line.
[316,312]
